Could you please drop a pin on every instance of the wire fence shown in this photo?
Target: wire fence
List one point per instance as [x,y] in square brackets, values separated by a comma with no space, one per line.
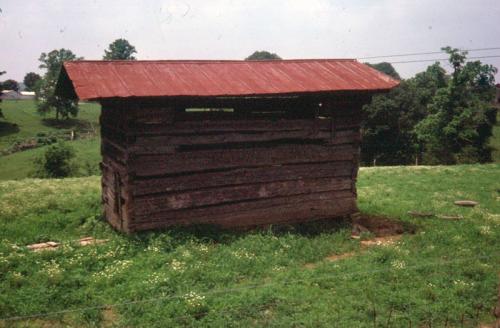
[391,315]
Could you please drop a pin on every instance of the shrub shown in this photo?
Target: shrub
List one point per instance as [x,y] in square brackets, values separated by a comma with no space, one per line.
[56,162]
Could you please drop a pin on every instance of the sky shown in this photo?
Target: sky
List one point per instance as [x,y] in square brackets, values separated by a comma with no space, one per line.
[231,29]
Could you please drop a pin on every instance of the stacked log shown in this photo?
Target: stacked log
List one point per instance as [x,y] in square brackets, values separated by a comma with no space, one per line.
[166,166]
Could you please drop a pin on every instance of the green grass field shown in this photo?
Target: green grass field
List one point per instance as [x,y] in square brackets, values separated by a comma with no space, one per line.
[446,274]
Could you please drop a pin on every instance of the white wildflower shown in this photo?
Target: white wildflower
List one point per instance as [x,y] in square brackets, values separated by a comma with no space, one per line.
[203,248]
[398,264]
[153,248]
[194,300]
[52,269]
[243,254]
[462,283]
[112,270]
[156,278]
[17,275]
[177,265]
[485,230]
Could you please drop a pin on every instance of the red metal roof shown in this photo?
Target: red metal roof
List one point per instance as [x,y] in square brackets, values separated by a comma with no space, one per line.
[95,80]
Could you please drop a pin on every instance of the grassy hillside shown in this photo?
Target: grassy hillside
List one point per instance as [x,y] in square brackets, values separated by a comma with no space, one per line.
[22,122]
[29,123]
[444,275]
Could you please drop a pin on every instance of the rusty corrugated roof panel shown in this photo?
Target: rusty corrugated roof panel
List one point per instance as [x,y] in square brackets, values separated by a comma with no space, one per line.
[95,80]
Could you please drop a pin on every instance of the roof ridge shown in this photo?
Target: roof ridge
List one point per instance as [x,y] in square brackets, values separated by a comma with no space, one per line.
[213,61]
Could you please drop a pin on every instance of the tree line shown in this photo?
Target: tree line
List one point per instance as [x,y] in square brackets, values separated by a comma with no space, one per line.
[433,117]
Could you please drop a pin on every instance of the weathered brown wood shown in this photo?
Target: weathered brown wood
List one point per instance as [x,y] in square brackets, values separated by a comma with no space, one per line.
[347,122]
[111,164]
[114,134]
[113,151]
[251,212]
[240,176]
[163,116]
[168,139]
[222,138]
[211,196]
[207,126]
[148,165]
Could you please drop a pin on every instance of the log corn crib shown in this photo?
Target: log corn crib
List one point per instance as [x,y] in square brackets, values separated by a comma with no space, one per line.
[271,160]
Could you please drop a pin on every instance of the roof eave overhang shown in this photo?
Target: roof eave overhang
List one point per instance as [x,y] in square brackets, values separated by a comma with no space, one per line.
[249,97]
[64,86]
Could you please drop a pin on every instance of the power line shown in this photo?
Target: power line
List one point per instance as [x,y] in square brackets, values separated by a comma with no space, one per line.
[242,288]
[426,53]
[440,59]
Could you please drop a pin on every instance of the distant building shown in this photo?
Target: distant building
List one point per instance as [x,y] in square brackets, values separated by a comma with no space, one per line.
[27,94]
[16,95]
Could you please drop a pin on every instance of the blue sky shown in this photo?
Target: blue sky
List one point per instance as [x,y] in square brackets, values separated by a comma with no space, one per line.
[225,29]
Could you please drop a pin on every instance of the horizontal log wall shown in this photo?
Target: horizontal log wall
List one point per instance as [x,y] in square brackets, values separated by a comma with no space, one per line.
[164,166]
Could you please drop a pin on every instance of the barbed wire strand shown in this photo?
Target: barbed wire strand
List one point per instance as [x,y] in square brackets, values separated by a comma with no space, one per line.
[236,289]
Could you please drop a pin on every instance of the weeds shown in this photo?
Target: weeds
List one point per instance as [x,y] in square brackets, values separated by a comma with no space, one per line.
[446,274]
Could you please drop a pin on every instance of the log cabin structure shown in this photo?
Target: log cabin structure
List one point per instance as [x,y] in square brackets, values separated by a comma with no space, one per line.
[230,143]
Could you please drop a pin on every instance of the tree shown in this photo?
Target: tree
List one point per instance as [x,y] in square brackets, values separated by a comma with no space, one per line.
[389,121]
[263,55]
[30,80]
[386,68]
[45,88]
[461,117]
[120,49]
[10,85]
[56,162]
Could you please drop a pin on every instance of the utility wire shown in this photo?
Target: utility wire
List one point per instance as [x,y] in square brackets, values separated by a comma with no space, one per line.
[427,53]
[440,59]
[242,288]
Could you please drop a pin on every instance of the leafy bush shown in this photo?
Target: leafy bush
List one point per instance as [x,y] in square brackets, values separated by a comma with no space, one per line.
[56,162]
